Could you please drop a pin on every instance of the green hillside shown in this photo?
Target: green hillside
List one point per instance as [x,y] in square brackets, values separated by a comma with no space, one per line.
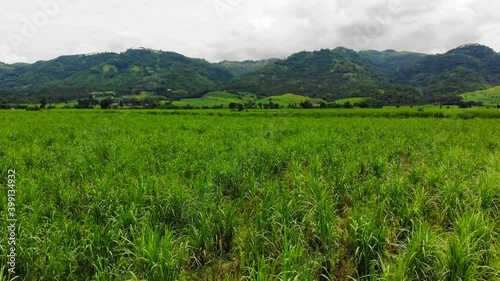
[467,68]
[225,98]
[241,68]
[487,97]
[390,76]
[217,99]
[393,78]
[391,62]
[326,74]
[353,100]
[287,99]
[130,72]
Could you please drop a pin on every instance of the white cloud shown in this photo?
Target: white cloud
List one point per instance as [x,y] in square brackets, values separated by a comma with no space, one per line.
[7,56]
[244,29]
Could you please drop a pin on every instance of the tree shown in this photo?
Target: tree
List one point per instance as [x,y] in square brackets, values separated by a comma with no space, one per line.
[241,107]
[3,103]
[378,104]
[250,104]
[105,104]
[348,105]
[362,104]
[307,104]
[43,102]
[92,100]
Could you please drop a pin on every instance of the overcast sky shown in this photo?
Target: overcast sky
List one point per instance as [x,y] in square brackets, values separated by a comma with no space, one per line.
[216,30]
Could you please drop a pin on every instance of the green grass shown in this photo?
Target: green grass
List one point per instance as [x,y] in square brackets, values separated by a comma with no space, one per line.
[353,100]
[147,95]
[224,98]
[108,93]
[109,68]
[430,111]
[229,96]
[253,195]
[489,97]
[216,99]
[287,99]
[201,102]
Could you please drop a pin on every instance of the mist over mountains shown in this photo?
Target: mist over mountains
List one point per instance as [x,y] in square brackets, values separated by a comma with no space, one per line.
[392,76]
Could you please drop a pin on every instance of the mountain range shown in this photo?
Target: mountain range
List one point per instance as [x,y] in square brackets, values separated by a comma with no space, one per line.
[391,76]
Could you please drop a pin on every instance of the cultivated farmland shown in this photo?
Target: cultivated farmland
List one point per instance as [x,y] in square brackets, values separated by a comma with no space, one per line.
[137,195]
[489,97]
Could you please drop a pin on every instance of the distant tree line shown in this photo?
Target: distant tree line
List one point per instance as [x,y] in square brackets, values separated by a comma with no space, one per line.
[131,102]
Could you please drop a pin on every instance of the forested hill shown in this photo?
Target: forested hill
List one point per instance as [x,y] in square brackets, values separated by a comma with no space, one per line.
[391,62]
[238,68]
[327,74]
[466,68]
[129,72]
[396,77]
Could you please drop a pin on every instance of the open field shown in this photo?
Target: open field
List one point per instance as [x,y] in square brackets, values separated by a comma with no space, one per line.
[256,195]
[287,99]
[224,98]
[429,111]
[488,97]
[216,99]
[353,100]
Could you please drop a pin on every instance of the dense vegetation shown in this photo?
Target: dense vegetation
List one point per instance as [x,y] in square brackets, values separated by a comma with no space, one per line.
[391,62]
[128,73]
[467,68]
[241,68]
[489,97]
[327,74]
[389,77]
[141,195]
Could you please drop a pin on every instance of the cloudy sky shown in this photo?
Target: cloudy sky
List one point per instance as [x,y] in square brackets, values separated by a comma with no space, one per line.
[216,30]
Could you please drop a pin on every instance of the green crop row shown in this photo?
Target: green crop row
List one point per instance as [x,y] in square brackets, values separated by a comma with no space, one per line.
[135,196]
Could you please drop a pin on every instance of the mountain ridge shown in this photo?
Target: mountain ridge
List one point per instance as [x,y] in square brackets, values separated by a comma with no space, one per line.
[393,76]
